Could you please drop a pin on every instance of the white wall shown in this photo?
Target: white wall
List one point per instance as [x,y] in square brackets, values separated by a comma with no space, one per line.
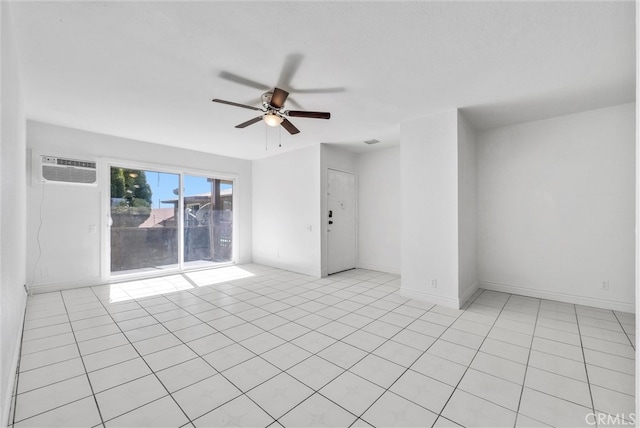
[429,195]
[338,158]
[286,211]
[12,219]
[467,210]
[69,253]
[284,208]
[379,210]
[556,205]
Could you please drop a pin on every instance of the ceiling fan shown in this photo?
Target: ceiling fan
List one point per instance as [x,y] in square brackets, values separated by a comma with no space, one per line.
[273,113]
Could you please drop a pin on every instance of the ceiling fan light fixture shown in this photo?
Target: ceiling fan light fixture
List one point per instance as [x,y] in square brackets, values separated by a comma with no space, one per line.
[272,119]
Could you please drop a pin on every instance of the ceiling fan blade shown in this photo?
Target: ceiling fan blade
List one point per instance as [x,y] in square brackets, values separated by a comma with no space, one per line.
[249,122]
[243,80]
[289,69]
[231,103]
[308,114]
[278,98]
[289,126]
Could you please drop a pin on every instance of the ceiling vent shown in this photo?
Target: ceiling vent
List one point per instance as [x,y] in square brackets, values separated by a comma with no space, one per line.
[374,141]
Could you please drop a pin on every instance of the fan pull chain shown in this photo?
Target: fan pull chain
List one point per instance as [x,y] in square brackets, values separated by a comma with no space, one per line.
[280,136]
[266,146]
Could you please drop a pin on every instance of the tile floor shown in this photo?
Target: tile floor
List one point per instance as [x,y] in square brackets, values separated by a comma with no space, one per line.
[257,346]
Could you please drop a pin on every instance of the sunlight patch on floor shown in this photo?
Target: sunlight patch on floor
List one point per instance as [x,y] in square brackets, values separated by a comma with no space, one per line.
[216,276]
[140,288]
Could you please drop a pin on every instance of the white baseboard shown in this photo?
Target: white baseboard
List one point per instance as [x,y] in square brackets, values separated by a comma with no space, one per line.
[450,302]
[561,297]
[92,282]
[379,268]
[430,298]
[316,273]
[6,406]
[468,293]
[47,288]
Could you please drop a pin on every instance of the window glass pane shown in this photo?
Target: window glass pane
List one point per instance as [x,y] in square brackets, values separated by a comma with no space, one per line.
[144,232]
[208,208]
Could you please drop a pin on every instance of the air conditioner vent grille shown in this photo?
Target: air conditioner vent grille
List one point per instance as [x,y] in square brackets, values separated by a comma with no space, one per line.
[68,175]
[71,162]
[65,170]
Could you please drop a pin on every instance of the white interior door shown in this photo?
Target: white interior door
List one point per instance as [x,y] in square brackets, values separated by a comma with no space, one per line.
[341,227]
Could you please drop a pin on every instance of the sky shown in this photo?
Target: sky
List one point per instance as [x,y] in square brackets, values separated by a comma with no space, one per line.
[163,186]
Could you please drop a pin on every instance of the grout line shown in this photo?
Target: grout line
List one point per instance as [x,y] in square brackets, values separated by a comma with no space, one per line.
[586,371]
[417,358]
[623,330]
[147,364]
[57,323]
[86,373]
[526,367]
[335,341]
[51,364]
[44,337]
[53,383]
[476,353]
[289,286]
[344,370]
[256,355]
[202,358]
[60,406]
[398,378]
[48,349]
[14,398]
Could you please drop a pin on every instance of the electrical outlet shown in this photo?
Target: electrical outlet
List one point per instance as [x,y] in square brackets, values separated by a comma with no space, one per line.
[605,285]
[434,283]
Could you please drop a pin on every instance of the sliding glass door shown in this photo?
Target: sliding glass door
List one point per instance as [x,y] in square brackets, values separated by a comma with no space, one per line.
[208,220]
[155,226]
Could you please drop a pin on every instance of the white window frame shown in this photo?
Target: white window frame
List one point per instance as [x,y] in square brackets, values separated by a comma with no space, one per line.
[108,163]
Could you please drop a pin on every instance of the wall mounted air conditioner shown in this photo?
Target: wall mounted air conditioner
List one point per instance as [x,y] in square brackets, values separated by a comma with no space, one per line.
[67,171]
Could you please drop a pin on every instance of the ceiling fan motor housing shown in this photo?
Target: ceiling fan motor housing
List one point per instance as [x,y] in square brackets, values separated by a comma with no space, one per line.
[266,100]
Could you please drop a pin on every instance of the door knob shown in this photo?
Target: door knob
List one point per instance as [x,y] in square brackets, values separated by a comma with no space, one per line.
[330,221]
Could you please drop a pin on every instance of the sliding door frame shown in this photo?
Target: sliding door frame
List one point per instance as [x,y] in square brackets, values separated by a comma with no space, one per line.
[108,163]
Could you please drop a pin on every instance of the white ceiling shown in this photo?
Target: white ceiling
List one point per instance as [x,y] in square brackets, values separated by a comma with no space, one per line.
[148,70]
